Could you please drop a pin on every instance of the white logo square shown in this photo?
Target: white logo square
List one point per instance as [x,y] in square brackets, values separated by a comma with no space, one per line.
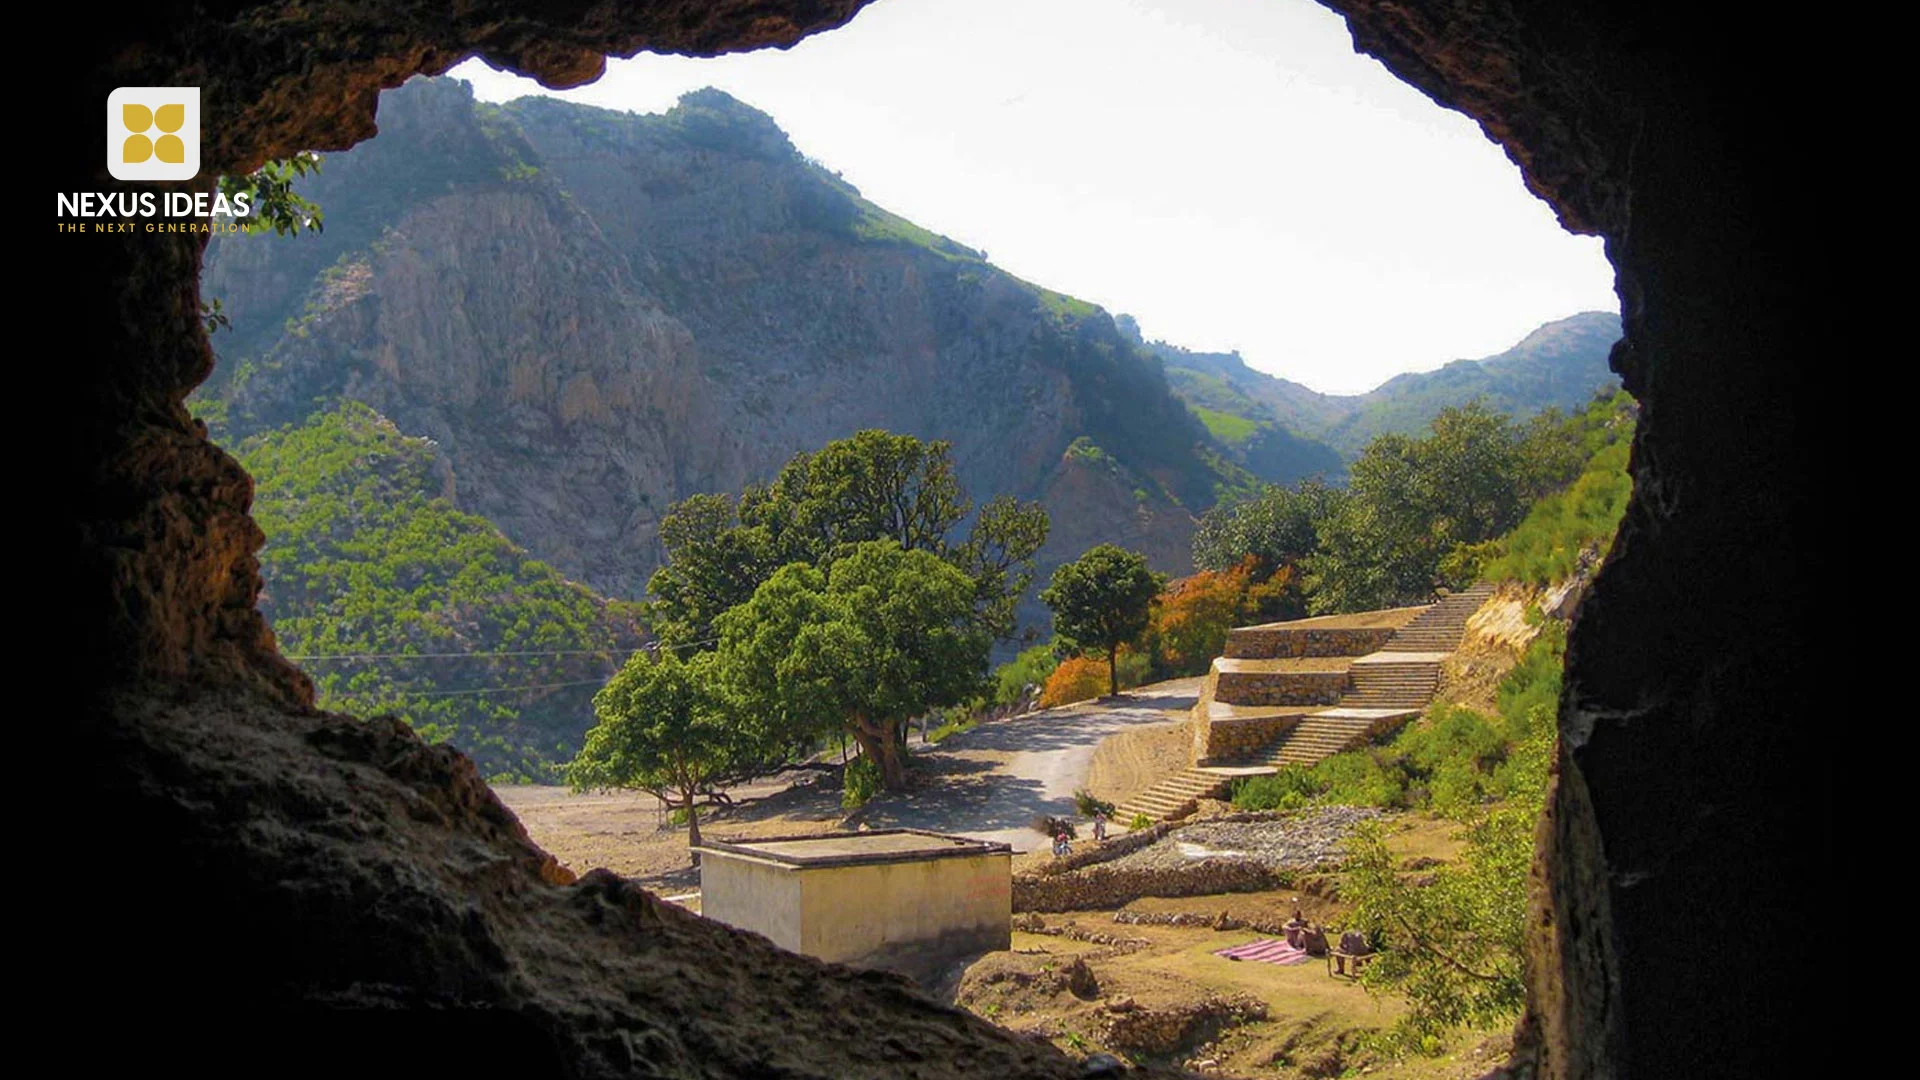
[153,133]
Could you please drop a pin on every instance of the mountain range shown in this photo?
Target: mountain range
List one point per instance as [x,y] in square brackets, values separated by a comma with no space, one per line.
[589,315]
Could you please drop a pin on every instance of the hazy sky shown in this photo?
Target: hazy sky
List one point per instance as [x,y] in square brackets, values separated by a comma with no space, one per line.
[1229,172]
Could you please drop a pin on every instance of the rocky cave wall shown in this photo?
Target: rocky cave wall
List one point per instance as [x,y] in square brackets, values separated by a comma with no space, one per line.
[266,861]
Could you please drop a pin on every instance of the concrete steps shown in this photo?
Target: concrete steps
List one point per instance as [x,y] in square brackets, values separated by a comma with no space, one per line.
[1175,796]
[1322,735]
[1440,627]
[1380,681]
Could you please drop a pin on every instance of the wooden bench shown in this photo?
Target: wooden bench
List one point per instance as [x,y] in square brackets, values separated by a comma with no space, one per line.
[1347,965]
[1351,957]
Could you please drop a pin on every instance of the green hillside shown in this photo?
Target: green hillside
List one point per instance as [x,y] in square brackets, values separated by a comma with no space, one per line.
[1559,365]
[365,557]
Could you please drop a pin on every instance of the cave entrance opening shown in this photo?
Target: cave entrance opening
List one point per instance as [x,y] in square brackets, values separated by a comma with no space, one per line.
[1656,941]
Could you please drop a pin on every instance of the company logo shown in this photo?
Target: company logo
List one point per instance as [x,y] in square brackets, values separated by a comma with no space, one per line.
[153,133]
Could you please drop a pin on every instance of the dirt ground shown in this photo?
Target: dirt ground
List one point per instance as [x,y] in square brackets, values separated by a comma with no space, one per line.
[1160,994]
[1129,763]
[628,833]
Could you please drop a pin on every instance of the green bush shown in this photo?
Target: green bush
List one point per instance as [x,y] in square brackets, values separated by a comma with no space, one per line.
[1547,544]
[1030,668]
[1289,789]
[1140,821]
[1136,667]
[1086,805]
[859,782]
[1362,778]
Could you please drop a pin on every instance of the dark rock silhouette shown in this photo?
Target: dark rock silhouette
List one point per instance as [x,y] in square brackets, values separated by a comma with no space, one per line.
[252,881]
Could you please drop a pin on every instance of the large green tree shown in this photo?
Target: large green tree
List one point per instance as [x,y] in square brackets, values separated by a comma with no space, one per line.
[667,727]
[1101,601]
[883,635]
[1411,501]
[1278,526]
[876,485]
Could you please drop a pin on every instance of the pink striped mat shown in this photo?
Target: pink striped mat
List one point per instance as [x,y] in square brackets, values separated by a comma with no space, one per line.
[1265,951]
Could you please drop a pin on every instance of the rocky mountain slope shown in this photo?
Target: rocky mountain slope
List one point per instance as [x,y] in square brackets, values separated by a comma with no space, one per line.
[1281,429]
[593,314]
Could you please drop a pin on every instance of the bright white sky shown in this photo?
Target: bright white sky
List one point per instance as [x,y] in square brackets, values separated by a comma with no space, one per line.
[1229,172]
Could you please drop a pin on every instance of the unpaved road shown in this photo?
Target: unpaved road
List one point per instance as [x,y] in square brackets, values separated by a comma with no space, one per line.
[991,782]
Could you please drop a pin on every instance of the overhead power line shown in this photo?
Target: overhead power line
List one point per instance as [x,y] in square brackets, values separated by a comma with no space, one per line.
[498,689]
[651,646]
[451,655]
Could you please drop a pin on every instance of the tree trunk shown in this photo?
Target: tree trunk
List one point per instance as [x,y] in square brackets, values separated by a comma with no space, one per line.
[881,747]
[693,827]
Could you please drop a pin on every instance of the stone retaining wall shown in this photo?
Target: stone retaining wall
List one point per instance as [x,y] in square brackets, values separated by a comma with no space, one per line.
[1280,687]
[1235,740]
[1278,642]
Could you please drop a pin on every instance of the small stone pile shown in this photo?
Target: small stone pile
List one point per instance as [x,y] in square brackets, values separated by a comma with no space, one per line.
[1312,840]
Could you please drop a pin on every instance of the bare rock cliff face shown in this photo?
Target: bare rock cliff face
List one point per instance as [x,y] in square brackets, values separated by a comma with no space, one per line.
[270,883]
[596,315]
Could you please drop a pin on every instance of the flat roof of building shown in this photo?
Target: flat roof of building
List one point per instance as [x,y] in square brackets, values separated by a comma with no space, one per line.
[853,848]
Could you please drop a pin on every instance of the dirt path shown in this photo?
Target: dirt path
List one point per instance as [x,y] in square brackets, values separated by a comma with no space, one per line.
[992,781]
[988,782]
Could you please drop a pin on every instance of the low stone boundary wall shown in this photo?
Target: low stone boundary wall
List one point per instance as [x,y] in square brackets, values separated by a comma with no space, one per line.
[1032,923]
[1128,1027]
[1099,887]
[1222,921]
[1279,642]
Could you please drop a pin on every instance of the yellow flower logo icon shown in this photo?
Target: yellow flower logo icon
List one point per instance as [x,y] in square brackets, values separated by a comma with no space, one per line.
[153,133]
[139,119]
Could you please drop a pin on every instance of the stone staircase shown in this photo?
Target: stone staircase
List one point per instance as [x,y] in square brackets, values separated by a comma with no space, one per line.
[1440,627]
[1317,737]
[1175,796]
[1392,683]
[1265,711]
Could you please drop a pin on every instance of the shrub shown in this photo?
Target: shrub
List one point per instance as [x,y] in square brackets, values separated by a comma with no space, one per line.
[1192,617]
[1547,544]
[1086,805]
[859,782]
[1049,826]
[1030,668]
[1139,822]
[1289,789]
[1078,678]
[1136,668]
[1361,778]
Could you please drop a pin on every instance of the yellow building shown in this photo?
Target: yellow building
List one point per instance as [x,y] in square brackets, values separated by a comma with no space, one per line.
[900,899]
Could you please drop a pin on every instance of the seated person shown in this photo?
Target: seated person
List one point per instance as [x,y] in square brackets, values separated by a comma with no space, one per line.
[1296,927]
[1314,940]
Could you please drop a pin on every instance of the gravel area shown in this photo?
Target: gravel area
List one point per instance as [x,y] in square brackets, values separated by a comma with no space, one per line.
[1311,839]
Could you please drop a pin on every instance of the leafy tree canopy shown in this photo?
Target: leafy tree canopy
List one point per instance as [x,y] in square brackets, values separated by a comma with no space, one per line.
[1103,600]
[667,727]
[881,636]
[875,485]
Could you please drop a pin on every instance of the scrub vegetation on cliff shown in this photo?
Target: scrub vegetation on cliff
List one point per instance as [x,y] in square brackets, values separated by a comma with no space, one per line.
[398,603]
